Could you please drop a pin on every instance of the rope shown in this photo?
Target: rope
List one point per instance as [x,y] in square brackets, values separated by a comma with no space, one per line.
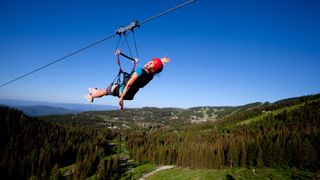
[135,44]
[124,40]
[128,46]
[118,43]
[93,44]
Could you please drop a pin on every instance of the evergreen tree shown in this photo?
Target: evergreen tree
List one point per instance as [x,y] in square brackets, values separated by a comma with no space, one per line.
[243,155]
[55,173]
[307,155]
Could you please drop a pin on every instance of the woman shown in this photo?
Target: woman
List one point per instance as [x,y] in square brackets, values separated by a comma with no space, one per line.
[127,90]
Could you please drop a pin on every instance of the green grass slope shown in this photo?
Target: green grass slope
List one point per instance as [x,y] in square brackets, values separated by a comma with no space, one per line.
[232,173]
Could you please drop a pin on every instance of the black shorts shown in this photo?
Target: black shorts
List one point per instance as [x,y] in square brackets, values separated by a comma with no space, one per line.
[113,89]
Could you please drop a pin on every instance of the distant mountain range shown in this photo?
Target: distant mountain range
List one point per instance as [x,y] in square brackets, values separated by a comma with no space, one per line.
[38,108]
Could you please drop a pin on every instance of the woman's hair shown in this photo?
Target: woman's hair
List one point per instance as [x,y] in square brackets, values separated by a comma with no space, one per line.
[158,64]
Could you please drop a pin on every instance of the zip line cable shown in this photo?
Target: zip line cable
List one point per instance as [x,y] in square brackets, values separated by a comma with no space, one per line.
[60,59]
[166,12]
[93,44]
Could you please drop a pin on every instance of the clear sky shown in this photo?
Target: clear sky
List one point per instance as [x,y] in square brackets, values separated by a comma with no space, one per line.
[226,52]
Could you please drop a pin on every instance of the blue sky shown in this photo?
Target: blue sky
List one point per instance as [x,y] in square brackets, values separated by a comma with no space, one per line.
[223,52]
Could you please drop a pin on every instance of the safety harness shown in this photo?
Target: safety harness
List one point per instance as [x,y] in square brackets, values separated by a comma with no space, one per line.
[118,52]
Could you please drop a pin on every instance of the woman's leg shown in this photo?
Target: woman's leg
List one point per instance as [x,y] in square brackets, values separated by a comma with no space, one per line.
[99,93]
[96,93]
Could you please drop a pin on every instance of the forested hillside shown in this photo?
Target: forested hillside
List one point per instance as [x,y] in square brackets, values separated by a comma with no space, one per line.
[287,134]
[34,148]
[109,144]
[149,117]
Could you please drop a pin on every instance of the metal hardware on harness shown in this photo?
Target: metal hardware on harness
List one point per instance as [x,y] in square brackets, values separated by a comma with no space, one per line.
[131,26]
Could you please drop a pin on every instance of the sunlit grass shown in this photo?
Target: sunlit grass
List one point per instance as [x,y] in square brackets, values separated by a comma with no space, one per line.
[233,173]
[264,114]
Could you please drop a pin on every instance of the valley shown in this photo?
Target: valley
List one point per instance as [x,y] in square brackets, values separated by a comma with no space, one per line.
[277,140]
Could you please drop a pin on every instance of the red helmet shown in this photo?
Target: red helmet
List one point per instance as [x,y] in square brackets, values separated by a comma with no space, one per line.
[158,65]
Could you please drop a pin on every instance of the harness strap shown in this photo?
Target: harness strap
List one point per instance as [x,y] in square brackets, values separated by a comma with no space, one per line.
[118,78]
[121,72]
[134,60]
[118,53]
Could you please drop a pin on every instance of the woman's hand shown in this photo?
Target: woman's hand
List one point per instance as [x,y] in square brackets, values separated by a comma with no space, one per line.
[121,103]
[133,78]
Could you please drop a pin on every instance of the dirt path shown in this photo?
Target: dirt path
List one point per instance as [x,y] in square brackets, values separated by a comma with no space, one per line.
[160,168]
